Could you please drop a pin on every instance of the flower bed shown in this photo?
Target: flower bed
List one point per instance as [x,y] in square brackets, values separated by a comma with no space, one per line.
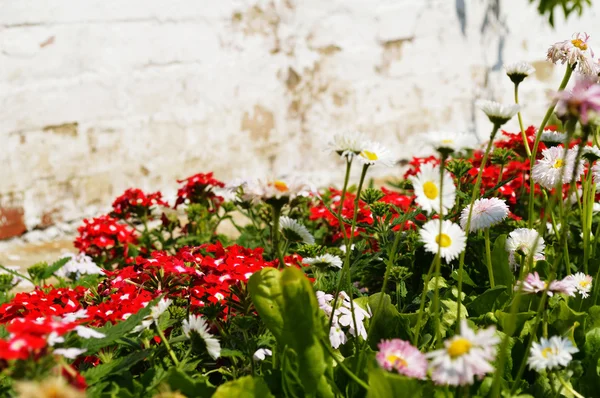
[472,275]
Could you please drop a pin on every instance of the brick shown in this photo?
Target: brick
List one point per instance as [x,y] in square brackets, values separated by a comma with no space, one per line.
[12,222]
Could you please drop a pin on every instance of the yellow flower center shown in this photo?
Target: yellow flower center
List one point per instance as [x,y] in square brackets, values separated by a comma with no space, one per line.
[459,347]
[369,155]
[448,141]
[558,163]
[547,351]
[584,283]
[443,240]
[280,186]
[430,190]
[580,44]
[396,360]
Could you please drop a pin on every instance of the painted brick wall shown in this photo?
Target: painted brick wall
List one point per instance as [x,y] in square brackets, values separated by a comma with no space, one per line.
[100,95]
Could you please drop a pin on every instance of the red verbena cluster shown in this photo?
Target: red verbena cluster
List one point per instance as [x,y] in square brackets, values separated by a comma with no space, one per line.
[199,189]
[105,236]
[135,201]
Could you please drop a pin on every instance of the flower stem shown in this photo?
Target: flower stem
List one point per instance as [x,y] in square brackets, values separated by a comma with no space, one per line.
[438,256]
[422,305]
[390,264]
[343,367]
[166,343]
[536,144]
[488,257]
[474,195]
[523,135]
[568,387]
[275,232]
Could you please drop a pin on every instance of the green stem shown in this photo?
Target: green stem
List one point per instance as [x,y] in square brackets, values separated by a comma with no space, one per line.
[343,230]
[568,387]
[474,195]
[275,232]
[488,257]
[536,144]
[166,343]
[390,264]
[422,305]
[438,257]
[343,367]
[523,135]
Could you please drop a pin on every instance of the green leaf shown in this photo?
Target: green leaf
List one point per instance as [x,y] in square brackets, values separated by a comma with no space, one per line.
[484,303]
[502,273]
[303,329]
[562,318]
[384,384]
[116,366]
[519,319]
[265,290]
[465,278]
[244,387]
[50,270]
[113,333]
[191,388]
[389,323]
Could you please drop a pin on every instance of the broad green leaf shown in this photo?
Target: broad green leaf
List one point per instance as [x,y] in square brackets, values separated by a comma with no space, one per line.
[383,384]
[302,327]
[519,319]
[502,273]
[191,388]
[114,367]
[265,290]
[465,278]
[562,318]
[244,387]
[389,323]
[115,332]
[542,268]
[485,302]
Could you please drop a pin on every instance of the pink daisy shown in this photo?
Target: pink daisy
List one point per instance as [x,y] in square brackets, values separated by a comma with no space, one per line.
[403,357]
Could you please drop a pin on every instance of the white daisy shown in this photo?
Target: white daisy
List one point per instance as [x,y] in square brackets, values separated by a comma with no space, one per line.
[465,356]
[374,153]
[547,171]
[348,145]
[518,71]
[449,142]
[591,153]
[452,240]
[554,137]
[581,282]
[295,231]
[79,264]
[261,354]
[324,261]
[574,52]
[596,175]
[276,189]
[426,185]
[498,113]
[526,241]
[486,213]
[155,314]
[551,353]
[69,353]
[197,326]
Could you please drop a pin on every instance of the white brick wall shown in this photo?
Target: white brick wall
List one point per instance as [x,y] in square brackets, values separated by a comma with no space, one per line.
[100,95]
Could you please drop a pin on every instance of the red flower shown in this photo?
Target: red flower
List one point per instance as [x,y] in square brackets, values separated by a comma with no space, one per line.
[135,201]
[198,189]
